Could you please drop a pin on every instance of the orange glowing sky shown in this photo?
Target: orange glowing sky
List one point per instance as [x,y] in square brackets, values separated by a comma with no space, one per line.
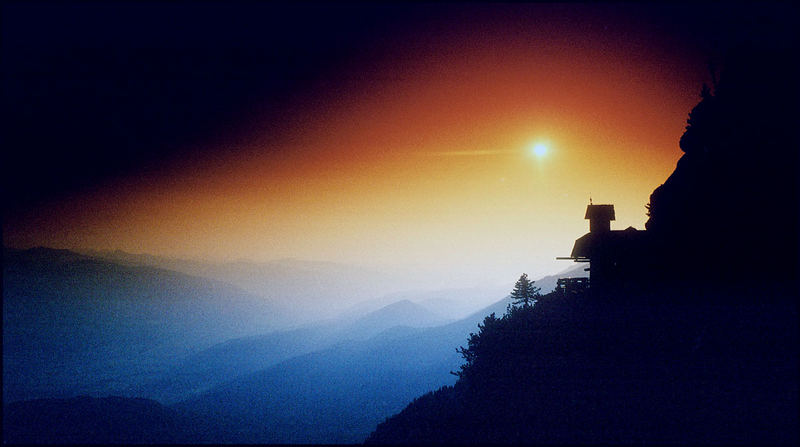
[419,153]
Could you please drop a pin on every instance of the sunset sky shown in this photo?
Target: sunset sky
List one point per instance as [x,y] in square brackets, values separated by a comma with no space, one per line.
[376,135]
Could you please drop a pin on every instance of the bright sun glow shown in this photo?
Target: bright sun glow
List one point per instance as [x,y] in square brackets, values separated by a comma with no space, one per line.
[540,150]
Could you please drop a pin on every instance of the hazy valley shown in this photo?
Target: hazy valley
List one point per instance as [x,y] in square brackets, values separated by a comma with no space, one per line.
[244,364]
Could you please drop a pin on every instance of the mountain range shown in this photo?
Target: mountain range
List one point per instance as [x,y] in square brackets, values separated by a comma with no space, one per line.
[314,290]
[77,325]
[74,324]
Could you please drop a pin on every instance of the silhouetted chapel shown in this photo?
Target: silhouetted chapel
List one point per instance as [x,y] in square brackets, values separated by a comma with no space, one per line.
[615,257]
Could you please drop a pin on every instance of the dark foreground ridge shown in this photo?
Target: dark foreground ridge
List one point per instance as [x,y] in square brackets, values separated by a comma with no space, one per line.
[698,340]
[572,369]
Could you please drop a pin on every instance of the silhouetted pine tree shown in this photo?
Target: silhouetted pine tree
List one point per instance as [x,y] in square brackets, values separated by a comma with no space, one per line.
[525,292]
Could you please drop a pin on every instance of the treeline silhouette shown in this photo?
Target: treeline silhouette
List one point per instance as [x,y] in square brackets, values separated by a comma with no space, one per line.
[705,349]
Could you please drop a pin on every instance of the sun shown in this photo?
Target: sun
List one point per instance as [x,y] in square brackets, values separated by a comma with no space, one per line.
[539,150]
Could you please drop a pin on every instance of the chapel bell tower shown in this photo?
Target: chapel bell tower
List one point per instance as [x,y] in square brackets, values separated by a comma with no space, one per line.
[600,217]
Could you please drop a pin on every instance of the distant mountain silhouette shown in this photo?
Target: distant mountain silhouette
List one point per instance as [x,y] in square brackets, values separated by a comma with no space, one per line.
[401,313]
[238,357]
[334,395]
[309,290]
[73,324]
[450,303]
[86,420]
[704,349]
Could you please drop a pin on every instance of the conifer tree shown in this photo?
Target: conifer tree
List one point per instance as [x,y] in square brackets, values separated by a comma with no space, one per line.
[525,292]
